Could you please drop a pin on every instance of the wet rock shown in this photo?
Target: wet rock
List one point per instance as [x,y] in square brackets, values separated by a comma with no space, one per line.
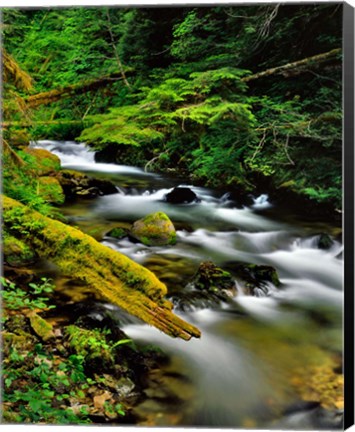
[324,241]
[155,229]
[237,199]
[195,300]
[41,327]
[124,387]
[76,184]
[91,192]
[313,418]
[93,315]
[181,195]
[117,233]
[256,276]
[105,187]
[211,278]
[208,288]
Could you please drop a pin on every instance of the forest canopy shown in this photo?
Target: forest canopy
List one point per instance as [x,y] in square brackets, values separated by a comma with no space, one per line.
[229,95]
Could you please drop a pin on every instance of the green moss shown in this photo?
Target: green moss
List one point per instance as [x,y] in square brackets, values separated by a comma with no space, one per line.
[16,252]
[91,344]
[117,233]
[98,266]
[43,161]
[155,229]
[50,189]
[41,327]
[211,278]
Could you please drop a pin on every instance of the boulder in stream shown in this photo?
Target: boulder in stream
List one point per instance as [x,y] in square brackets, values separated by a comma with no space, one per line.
[76,184]
[211,278]
[155,229]
[324,241]
[181,195]
[256,276]
[43,161]
[208,288]
[117,233]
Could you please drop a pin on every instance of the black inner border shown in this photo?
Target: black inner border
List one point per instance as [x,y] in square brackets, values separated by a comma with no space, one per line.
[348,211]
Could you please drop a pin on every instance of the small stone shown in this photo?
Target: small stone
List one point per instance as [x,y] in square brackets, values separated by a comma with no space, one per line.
[41,327]
[124,386]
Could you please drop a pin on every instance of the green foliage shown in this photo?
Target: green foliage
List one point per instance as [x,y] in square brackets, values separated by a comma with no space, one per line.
[219,158]
[47,391]
[186,86]
[117,127]
[21,182]
[92,343]
[16,298]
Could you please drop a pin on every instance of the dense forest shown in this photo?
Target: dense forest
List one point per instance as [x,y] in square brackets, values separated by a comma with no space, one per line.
[183,88]
[244,100]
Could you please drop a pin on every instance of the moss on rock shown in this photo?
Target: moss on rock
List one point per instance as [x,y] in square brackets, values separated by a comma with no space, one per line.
[43,161]
[77,184]
[117,233]
[119,279]
[91,344]
[41,327]
[155,229]
[209,277]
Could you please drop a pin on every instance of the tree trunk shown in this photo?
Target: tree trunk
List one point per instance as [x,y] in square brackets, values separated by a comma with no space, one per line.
[295,68]
[70,91]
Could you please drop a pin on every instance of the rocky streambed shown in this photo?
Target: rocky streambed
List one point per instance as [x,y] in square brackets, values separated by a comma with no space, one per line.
[264,288]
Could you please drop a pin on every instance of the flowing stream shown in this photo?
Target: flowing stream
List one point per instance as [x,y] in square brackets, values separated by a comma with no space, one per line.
[239,373]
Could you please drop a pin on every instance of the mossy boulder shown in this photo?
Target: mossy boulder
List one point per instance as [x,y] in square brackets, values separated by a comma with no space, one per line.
[211,278]
[41,327]
[16,252]
[50,190]
[155,229]
[43,161]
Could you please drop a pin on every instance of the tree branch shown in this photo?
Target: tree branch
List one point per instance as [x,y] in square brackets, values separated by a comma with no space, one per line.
[296,67]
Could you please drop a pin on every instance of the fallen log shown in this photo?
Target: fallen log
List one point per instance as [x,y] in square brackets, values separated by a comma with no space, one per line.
[297,67]
[117,278]
[44,98]
[29,123]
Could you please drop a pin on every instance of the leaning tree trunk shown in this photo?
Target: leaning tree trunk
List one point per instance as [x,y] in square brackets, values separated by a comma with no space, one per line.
[113,275]
[300,66]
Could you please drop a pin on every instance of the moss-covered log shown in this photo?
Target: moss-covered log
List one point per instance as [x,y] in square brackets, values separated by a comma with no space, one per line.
[48,97]
[119,279]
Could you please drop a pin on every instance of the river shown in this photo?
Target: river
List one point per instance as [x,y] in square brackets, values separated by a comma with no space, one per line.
[246,369]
